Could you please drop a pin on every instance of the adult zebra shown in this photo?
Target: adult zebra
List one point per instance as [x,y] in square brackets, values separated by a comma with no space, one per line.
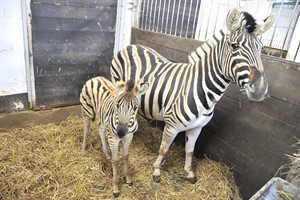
[184,95]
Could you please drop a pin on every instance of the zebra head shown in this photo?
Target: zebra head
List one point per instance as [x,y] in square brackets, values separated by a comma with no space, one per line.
[126,106]
[241,57]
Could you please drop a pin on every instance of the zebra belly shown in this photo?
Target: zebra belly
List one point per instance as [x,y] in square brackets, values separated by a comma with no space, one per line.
[198,122]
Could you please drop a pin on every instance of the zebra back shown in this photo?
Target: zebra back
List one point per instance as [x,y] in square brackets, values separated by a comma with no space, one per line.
[135,62]
[97,97]
[115,104]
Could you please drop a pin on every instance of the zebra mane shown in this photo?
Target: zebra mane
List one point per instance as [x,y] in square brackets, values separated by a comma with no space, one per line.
[250,22]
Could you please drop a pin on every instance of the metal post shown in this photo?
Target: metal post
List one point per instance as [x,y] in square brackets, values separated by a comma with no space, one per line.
[287,34]
[188,23]
[270,45]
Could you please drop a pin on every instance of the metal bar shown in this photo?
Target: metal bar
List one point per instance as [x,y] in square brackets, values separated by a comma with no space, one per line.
[296,52]
[287,34]
[167,17]
[163,16]
[154,14]
[183,14]
[177,18]
[199,22]
[172,18]
[158,15]
[138,14]
[270,45]
[194,23]
[208,20]
[150,21]
[143,15]
[188,23]
[147,19]
[268,13]
[217,17]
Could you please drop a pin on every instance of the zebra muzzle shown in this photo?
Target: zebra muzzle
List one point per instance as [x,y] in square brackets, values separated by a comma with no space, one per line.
[255,75]
[122,130]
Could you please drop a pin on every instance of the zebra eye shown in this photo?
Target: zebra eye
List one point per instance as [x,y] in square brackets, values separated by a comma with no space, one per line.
[235,45]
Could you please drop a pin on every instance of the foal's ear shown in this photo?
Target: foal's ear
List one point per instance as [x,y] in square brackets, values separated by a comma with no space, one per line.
[142,88]
[120,85]
[265,24]
[232,19]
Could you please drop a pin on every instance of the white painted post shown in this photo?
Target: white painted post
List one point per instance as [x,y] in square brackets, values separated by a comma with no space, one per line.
[124,22]
[28,53]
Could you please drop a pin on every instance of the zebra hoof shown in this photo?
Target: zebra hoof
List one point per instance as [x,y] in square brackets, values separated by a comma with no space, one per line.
[116,194]
[192,180]
[156,179]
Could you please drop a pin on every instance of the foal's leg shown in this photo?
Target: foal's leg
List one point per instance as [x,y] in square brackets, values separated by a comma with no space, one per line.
[102,130]
[191,138]
[167,140]
[126,144]
[114,146]
[86,132]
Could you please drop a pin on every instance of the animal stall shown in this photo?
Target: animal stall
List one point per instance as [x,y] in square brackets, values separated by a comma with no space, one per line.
[70,41]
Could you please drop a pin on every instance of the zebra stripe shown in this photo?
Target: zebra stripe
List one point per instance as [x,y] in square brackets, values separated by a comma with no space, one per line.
[184,95]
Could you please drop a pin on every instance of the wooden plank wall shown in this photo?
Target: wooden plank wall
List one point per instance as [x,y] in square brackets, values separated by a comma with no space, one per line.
[251,137]
[73,40]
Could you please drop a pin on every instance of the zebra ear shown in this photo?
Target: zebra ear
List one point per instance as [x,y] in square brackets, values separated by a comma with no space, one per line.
[120,85]
[143,87]
[233,18]
[265,24]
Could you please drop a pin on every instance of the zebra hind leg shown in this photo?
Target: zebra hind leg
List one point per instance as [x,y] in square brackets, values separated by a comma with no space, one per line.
[86,132]
[191,138]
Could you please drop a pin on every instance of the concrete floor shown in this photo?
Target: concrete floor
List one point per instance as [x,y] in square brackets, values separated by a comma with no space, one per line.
[25,118]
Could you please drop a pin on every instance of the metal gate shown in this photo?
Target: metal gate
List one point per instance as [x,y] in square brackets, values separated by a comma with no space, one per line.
[199,19]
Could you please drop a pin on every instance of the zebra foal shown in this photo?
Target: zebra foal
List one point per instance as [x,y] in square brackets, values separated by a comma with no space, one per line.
[184,95]
[116,106]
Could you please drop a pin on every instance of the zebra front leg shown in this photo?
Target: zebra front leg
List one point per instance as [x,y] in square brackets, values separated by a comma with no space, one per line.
[167,140]
[102,130]
[126,144]
[191,138]
[86,132]
[114,146]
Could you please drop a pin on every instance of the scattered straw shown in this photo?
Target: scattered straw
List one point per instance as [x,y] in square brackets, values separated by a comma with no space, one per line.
[46,162]
[292,170]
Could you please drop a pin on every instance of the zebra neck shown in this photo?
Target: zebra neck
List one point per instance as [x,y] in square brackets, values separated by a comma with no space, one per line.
[211,46]
[206,62]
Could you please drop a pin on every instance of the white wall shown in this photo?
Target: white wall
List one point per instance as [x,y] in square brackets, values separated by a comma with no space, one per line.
[12,62]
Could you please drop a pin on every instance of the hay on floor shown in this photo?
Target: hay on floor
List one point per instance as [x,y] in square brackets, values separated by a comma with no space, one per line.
[46,162]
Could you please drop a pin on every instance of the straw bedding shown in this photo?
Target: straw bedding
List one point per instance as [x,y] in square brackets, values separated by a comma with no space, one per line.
[46,162]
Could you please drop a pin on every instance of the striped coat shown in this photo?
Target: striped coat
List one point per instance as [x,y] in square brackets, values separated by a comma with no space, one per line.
[184,95]
[116,108]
